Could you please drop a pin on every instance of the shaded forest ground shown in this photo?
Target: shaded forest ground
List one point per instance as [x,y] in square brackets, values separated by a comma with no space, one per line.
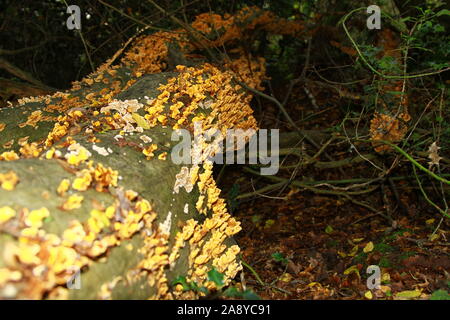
[308,246]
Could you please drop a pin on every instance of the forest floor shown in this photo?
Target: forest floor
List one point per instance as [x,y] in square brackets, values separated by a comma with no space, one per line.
[317,247]
[304,245]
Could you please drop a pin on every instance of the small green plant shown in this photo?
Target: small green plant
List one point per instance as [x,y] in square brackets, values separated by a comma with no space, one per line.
[440,295]
[218,279]
[383,248]
[233,203]
[385,263]
[279,257]
[430,41]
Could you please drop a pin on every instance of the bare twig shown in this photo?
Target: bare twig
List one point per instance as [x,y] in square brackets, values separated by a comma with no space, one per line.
[22,74]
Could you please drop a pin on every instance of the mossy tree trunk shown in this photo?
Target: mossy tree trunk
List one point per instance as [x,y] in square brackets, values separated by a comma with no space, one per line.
[91,204]
[49,234]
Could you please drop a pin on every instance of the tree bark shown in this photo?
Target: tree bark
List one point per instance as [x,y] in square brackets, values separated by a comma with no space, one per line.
[91,204]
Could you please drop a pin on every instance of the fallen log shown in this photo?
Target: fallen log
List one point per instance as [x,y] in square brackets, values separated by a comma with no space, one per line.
[92,205]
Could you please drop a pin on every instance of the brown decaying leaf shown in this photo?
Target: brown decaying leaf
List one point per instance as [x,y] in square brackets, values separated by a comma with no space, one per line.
[434,155]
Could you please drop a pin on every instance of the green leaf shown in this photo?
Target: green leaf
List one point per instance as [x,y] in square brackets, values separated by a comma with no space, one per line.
[256,218]
[406,19]
[140,120]
[440,295]
[352,269]
[250,295]
[278,257]
[395,92]
[409,294]
[329,229]
[385,263]
[416,136]
[232,194]
[194,286]
[204,290]
[383,248]
[232,292]
[216,277]
[443,12]
[439,28]
[181,280]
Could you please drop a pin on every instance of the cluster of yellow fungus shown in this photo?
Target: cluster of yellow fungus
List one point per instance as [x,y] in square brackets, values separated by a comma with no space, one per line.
[45,99]
[63,187]
[206,95]
[107,288]
[386,126]
[30,150]
[34,118]
[156,259]
[8,180]
[9,156]
[97,176]
[206,240]
[77,154]
[73,202]
[41,261]
[80,183]
[228,28]
[39,257]
[59,131]
[124,116]
[197,87]
[149,53]
[6,213]
[103,177]
[148,152]
[52,258]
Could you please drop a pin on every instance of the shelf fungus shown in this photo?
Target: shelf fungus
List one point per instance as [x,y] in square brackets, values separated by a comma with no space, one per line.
[73,202]
[9,156]
[77,154]
[8,180]
[111,223]
[6,213]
